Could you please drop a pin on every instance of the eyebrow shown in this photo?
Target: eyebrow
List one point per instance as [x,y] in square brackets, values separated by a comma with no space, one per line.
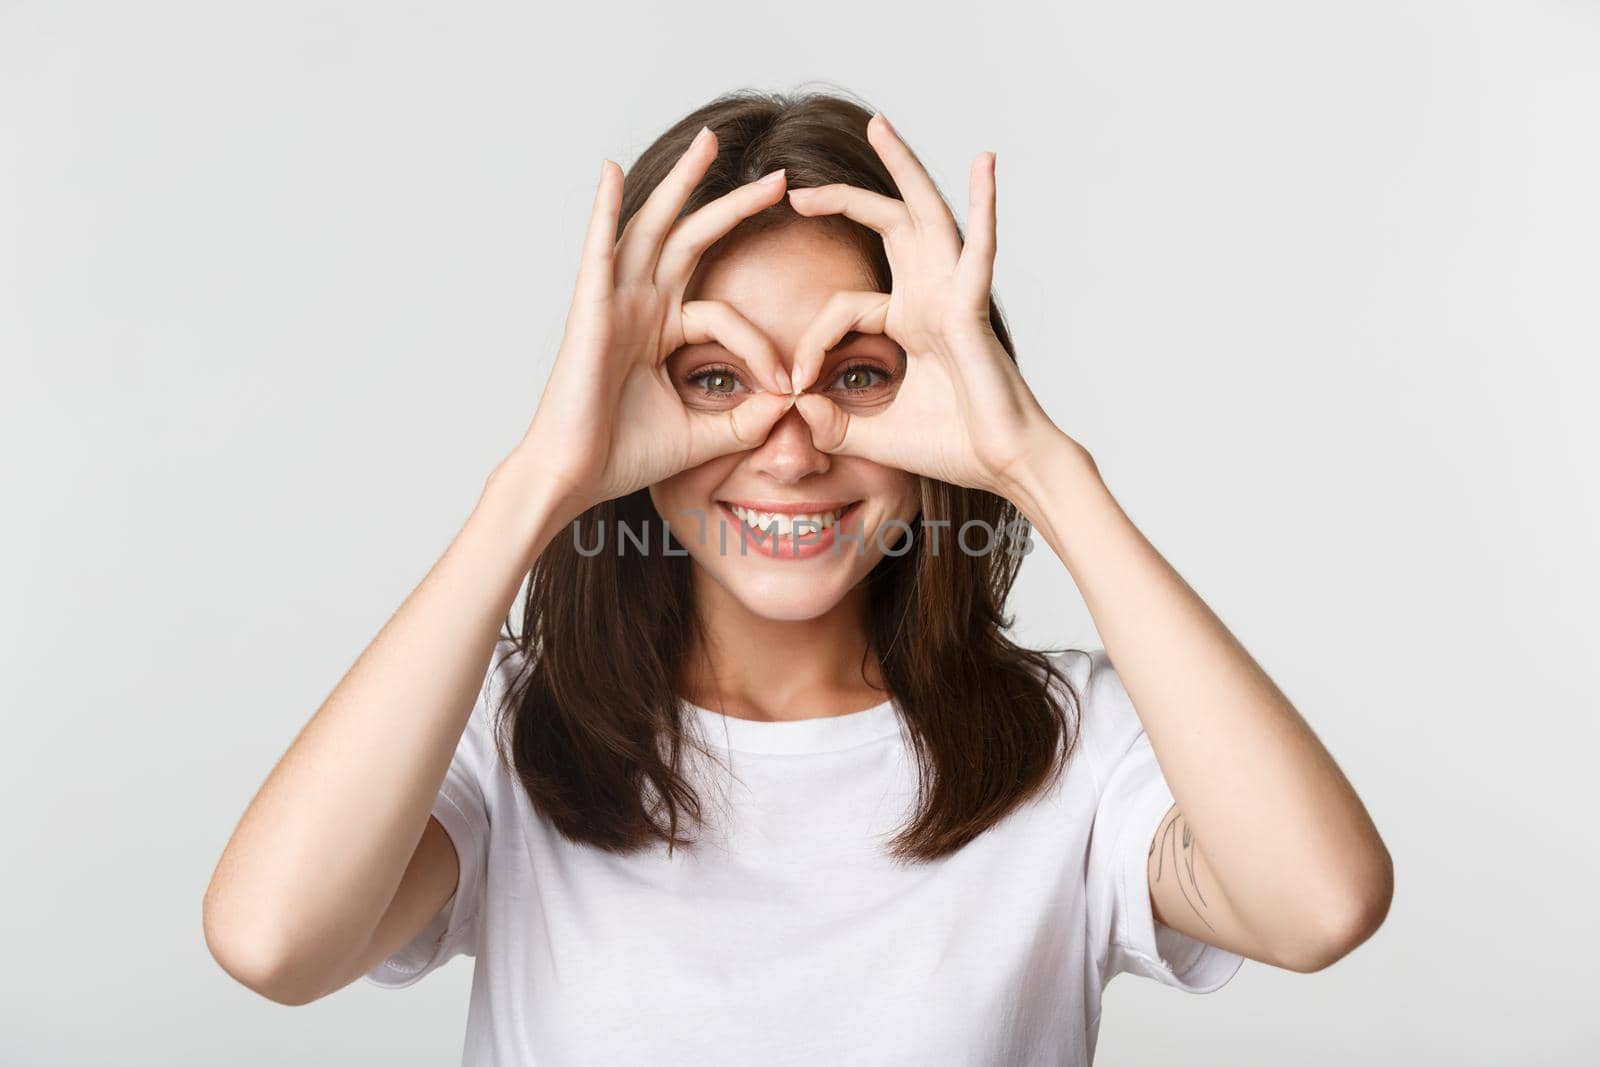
[853,336]
[846,341]
[856,335]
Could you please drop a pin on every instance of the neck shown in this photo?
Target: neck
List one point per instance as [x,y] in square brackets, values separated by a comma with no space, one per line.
[745,665]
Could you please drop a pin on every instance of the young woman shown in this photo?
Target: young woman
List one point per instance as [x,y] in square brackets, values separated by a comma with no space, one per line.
[778,787]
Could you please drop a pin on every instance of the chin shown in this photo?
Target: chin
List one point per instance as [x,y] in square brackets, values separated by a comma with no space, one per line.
[784,598]
[801,607]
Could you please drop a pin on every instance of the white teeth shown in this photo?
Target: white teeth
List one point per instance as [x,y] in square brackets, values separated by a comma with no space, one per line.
[784,525]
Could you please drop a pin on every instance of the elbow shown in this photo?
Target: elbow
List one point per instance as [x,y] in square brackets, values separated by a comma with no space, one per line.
[258,969]
[256,961]
[1345,921]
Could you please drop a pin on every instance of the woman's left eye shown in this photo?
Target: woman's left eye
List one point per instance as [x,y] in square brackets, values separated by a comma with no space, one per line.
[860,377]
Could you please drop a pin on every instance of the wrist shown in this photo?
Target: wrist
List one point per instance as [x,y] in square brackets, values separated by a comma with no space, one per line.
[1061,494]
[530,500]
[1050,463]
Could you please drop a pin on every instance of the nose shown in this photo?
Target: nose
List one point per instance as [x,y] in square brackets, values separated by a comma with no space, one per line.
[788,454]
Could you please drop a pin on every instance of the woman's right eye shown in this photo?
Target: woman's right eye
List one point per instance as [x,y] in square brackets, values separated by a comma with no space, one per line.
[715,381]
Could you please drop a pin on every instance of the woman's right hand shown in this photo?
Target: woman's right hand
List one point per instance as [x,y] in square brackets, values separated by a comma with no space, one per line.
[611,420]
[336,865]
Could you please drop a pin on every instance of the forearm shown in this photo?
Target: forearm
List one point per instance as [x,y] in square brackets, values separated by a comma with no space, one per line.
[321,849]
[1281,828]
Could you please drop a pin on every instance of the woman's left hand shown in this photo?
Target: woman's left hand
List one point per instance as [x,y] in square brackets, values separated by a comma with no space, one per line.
[962,413]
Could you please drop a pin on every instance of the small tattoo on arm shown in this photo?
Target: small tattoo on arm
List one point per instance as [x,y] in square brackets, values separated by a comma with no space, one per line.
[1176,843]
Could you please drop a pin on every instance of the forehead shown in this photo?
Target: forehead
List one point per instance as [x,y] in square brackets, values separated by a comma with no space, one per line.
[780,278]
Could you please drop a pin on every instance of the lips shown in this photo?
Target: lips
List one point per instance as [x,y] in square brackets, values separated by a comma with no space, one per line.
[785,519]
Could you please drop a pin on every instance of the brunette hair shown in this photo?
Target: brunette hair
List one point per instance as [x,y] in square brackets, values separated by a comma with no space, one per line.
[605,636]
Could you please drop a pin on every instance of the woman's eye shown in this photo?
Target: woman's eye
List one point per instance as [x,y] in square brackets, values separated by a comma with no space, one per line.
[715,381]
[860,378]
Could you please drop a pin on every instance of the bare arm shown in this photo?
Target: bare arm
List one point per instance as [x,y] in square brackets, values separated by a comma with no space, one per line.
[428,882]
[309,888]
[1300,873]
[1268,851]
[337,861]
[1185,895]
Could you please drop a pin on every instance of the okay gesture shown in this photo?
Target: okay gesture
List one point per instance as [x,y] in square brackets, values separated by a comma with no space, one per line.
[962,413]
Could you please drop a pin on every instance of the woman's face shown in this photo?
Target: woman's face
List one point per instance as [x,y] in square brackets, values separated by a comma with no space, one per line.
[785,529]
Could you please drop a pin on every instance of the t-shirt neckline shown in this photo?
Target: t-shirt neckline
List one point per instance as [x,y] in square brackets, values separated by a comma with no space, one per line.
[824,733]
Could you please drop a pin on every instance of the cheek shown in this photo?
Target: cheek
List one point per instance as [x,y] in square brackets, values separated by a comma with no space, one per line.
[900,493]
[910,499]
[686,489]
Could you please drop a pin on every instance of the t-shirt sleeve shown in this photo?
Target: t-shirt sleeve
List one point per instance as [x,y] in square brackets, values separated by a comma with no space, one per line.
[462,809]
[1133,799]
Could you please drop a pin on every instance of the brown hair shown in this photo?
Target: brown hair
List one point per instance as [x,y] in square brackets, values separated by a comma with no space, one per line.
[604,636]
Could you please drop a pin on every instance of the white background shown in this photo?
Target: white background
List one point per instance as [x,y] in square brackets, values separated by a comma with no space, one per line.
[1316,283]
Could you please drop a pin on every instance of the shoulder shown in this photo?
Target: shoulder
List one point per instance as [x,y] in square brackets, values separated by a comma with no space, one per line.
[506,672]
[507,666]
[1105,722]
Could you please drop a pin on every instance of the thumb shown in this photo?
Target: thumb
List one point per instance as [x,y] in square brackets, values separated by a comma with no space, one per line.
[833,429]
[739,429]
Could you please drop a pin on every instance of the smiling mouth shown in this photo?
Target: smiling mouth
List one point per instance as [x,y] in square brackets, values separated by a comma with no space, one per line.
[786,523]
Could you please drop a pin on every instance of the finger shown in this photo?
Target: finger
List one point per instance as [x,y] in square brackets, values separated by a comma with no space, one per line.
[716,321]
[738,429]
[975,269]
[873,210]
[640,243]
[847,310]
[691,237]
[922,198]
[595,286]
[836,431]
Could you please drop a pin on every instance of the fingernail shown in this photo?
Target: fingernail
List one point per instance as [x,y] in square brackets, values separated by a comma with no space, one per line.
[784,385]
[699,137]
[775,178]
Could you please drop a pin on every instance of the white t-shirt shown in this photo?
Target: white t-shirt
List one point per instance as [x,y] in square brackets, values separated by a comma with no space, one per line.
[785,936]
